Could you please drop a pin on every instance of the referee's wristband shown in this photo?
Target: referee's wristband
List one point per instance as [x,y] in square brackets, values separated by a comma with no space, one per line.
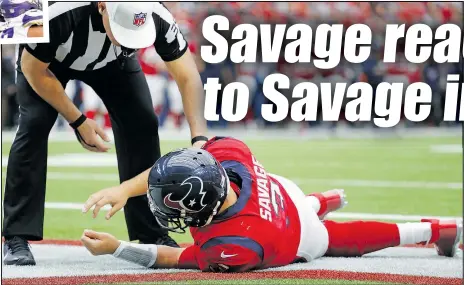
[77,123]
[199,138]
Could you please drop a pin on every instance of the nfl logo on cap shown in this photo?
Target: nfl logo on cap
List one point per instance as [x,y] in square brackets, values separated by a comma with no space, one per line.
[139,19]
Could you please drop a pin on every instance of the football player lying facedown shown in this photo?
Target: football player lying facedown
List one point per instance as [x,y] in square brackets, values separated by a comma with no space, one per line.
[235,209]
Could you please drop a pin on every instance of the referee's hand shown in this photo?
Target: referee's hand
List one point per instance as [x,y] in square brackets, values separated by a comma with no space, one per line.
[90,134]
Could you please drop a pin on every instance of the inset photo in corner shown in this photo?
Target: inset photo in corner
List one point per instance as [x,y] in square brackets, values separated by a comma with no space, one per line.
[23,21]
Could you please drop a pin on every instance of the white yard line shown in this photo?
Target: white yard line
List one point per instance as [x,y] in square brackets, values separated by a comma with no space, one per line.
[383,184]
[290,133]
[343,215]
[446,148]
[82,160]
[82,176]
[86,160]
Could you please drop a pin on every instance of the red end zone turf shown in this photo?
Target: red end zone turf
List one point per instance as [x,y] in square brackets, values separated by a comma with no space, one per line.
[300,274]
[184,276]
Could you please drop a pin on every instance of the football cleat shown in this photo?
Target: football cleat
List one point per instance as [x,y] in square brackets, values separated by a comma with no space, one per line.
[445,236]
[331,200]
[167,241]
[162,240]
[17,252]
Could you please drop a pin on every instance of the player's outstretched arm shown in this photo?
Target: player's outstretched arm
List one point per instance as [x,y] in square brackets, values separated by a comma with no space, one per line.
[117,196]
[147,255]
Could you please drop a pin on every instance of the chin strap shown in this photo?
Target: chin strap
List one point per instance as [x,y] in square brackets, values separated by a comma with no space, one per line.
[219,203]
[212,214]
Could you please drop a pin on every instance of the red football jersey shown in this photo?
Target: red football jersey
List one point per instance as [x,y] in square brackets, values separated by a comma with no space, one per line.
[262,229]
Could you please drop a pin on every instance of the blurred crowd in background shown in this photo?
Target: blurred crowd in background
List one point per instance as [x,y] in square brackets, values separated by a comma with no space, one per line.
[189,16]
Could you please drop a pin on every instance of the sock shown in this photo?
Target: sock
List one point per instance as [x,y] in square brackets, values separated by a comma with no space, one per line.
[356,238]
[413,233]
[321,204]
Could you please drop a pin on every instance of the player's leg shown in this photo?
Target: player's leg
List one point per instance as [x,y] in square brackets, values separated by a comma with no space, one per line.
[326,202]
[361,237]
[135,127]
[314,239]
[26,175]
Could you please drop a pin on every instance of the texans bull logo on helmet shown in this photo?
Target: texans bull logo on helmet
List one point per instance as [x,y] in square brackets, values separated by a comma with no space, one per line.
[189,203]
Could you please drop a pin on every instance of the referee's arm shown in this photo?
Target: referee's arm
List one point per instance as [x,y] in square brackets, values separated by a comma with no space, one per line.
[47,86]
[185,73]
[35,61]
[172,47]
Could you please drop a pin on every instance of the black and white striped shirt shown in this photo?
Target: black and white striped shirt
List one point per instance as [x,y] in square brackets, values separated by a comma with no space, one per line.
[78,39]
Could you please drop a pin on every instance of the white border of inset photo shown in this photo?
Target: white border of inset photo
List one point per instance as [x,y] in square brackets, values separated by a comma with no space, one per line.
[46,33]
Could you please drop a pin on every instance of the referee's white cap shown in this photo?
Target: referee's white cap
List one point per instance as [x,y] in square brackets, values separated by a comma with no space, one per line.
[132,23]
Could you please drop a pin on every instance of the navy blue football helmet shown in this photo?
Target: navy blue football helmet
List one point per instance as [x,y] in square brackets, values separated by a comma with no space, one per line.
[186,188]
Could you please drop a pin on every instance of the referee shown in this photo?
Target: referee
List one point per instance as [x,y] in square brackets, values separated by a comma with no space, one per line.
[94,42]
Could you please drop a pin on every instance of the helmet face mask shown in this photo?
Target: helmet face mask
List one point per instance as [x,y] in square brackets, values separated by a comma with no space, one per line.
[173,224]
[178,223]
[186,188]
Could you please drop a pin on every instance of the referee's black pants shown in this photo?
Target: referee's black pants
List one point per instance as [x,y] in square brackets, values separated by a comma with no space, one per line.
[126,95]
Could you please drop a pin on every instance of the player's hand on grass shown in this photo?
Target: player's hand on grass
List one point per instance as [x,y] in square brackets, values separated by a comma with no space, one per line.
[114,196]
[99,243]
[90,136]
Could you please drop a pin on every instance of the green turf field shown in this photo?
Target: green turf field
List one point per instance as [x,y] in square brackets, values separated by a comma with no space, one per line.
[380,176]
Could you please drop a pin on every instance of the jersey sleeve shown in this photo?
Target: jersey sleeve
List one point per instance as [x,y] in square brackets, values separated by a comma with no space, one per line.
[170,43]
[59,32]
[228,148]
[188,258]
[230,254]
